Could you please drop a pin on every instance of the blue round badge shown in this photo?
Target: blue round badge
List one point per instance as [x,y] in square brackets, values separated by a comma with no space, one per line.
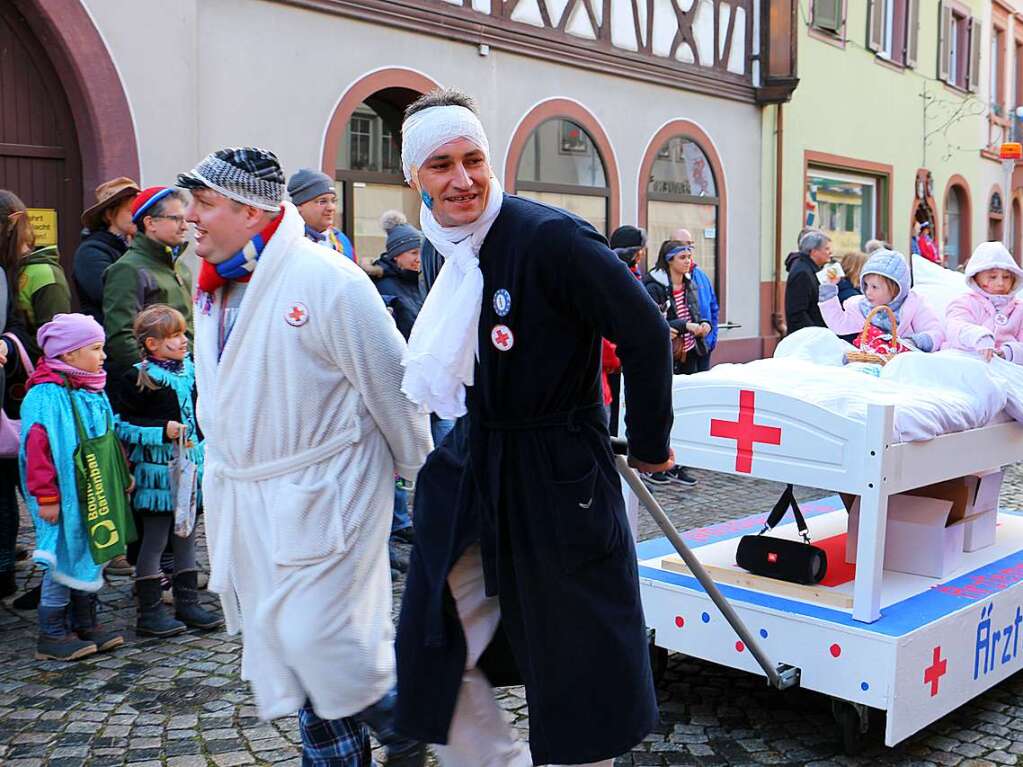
[502,302]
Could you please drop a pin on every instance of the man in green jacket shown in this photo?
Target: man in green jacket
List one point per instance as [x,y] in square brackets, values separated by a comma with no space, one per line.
[150,272]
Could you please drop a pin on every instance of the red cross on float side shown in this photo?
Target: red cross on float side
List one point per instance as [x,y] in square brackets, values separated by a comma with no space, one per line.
[745,432]
[934,672]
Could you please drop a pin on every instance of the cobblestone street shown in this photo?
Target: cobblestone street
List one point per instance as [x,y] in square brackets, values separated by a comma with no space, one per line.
[180,702]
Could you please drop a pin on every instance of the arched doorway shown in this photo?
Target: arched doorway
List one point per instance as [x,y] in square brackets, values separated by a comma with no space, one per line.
[559,154]
[956,250]
[39,156]
[362,151]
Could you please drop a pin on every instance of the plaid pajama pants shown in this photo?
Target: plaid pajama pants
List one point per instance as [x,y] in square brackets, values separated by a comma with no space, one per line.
[345,742]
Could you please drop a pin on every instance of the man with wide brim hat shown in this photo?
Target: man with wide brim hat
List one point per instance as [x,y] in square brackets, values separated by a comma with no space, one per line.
[110,229]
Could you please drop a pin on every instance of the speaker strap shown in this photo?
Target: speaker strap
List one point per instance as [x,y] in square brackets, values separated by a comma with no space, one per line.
[787,501]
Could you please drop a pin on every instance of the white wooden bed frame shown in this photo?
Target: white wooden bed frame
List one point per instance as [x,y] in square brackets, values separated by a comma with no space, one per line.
[811,446]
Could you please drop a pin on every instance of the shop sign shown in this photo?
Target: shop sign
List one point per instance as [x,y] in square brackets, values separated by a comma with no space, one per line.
[44,224]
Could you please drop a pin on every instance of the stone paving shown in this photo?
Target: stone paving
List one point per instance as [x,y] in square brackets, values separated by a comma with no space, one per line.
[180,702]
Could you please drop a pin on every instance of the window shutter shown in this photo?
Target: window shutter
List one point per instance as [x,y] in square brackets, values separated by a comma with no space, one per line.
[973,75]
[827,15]
[912,31]
[875,24]
[944,41]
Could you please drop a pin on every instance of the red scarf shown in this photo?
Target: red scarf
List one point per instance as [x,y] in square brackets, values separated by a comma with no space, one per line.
[210,278]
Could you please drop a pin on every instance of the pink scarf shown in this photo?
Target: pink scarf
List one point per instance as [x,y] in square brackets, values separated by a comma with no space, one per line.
[80,378]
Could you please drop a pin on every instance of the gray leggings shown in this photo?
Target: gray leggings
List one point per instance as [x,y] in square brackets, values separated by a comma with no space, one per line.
[155,529]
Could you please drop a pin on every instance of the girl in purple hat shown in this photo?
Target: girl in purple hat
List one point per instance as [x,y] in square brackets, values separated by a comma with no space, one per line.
[66,398]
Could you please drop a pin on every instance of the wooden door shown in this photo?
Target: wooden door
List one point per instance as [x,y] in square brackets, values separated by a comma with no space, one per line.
[39,156]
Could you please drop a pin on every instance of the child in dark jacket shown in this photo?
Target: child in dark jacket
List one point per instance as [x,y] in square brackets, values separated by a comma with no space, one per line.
[160,391]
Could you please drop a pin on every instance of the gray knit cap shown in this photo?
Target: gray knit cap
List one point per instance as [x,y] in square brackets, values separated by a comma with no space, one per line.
[307,184]
[401,236]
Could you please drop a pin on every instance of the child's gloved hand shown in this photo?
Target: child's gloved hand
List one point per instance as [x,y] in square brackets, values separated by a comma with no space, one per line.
[921,341]
[50,512]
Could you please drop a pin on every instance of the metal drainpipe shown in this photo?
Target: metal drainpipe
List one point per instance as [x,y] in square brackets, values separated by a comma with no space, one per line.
[778,315]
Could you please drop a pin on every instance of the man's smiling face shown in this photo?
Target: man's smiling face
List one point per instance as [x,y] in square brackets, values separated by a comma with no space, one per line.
[457,178]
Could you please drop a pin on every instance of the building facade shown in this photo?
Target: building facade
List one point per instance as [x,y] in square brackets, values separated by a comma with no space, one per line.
[899,113]
[645,113]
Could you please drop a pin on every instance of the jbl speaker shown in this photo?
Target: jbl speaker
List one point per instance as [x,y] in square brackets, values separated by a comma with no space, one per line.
[780,558]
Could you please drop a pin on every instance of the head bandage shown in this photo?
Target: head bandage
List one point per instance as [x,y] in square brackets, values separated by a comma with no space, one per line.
[426,131]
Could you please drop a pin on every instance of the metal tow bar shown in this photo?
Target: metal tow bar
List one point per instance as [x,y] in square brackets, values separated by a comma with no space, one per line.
[779,675]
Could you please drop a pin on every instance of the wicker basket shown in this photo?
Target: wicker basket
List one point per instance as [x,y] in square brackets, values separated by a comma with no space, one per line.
[872,357]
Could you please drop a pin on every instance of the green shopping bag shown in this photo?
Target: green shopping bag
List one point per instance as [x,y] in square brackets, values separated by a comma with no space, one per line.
[102,476]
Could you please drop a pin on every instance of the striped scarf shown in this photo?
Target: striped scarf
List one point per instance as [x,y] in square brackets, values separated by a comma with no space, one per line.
[239,267]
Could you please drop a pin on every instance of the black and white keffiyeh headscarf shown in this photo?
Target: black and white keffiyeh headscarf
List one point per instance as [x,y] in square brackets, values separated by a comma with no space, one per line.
[247,175]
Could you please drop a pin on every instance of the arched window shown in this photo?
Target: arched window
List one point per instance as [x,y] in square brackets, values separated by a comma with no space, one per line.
[561,166]
[995,215]
[682,193]
[1015,228]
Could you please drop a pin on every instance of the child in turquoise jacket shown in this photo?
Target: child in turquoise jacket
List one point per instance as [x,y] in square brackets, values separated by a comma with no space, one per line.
[71,369]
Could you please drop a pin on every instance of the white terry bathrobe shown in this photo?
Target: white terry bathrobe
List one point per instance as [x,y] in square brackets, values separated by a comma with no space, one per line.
[305,425]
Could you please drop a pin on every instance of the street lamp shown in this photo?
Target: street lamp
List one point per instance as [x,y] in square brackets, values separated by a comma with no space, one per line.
[1009,152]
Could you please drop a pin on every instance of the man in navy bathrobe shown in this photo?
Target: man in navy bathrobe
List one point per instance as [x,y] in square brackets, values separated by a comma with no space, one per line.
[524,561]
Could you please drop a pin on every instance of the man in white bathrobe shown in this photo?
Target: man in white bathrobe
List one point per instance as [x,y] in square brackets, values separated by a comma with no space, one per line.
[299,373]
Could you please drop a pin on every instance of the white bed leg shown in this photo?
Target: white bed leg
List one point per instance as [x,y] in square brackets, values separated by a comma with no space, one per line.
[870,556]
[873,515]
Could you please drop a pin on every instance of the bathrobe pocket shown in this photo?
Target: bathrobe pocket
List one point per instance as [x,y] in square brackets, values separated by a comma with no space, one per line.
[307,523]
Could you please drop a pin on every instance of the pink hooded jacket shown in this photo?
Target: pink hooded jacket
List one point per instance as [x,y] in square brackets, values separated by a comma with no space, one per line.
[917,321]
[970,320]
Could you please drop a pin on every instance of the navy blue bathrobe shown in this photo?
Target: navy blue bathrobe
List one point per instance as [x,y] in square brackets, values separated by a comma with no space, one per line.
[529,473]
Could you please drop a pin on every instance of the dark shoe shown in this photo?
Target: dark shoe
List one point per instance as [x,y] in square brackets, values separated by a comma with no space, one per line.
[84,623]
[680,476]
[186,603]
[153,619]
[405,535]
[55,642]
[657,478]
[119,567]
[29,600]
[399,559]
[8,585]
[408,757]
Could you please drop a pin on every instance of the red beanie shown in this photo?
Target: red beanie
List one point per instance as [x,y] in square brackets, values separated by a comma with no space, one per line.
[146,199]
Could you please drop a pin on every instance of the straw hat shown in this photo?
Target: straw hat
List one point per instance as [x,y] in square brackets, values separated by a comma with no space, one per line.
[108,194]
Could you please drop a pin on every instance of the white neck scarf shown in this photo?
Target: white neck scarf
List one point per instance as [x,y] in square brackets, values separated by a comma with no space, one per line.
[443,346]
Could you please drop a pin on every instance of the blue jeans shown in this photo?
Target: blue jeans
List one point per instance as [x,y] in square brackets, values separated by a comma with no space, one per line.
[439,428]
[53,594]
[400,519]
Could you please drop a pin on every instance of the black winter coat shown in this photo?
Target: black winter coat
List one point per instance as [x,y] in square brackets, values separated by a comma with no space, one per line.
[98,251]
[665,301]
[147,407]
[802,292]
[528,473]
[402,293]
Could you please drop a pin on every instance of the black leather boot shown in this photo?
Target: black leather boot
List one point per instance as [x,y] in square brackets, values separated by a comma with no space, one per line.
[153,619]
[186,603]
[84,623]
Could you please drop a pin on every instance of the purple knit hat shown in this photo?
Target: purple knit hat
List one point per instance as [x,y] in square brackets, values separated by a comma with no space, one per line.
[67,332]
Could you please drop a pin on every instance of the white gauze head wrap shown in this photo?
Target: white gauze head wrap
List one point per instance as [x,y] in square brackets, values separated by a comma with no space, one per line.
[442,348]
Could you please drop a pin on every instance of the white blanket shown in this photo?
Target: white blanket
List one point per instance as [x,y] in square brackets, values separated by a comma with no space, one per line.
[933,394]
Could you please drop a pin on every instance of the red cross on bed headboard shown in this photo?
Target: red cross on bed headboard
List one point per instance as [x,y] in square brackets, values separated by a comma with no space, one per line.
[745,432]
